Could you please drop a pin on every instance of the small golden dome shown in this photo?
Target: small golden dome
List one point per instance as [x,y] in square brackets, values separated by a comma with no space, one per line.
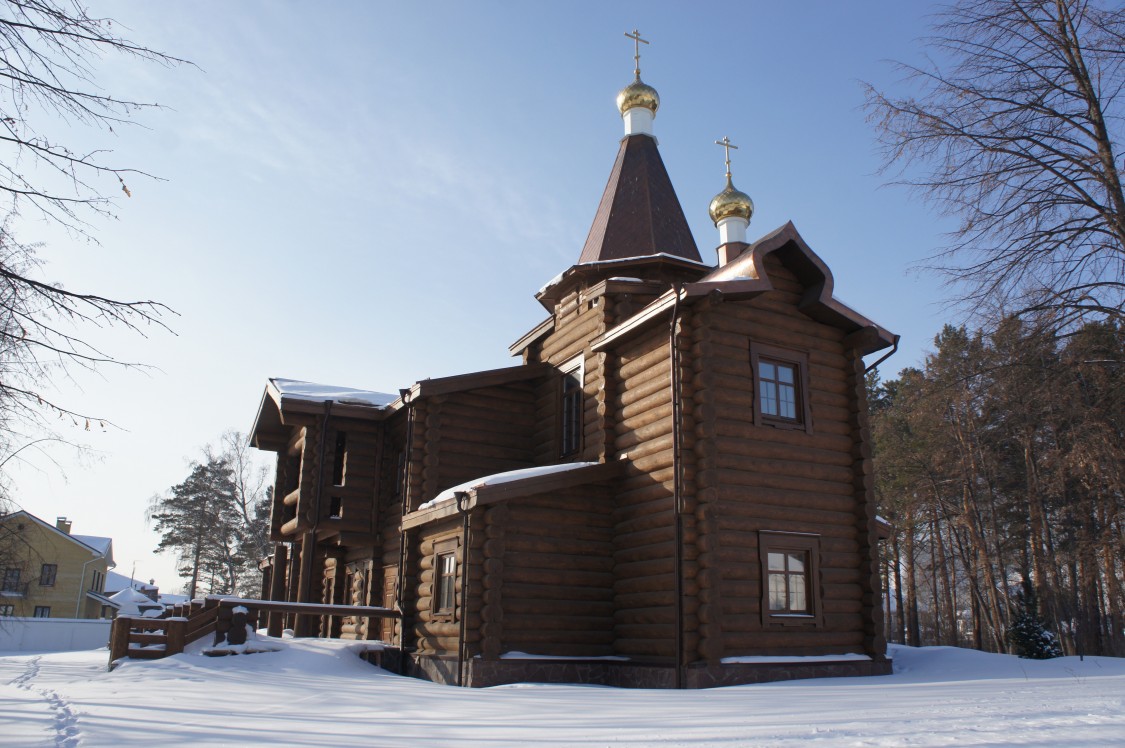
[731,202]
[638,94]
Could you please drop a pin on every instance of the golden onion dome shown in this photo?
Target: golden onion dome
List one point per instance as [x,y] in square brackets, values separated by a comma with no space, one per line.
[638,94]
[731,203]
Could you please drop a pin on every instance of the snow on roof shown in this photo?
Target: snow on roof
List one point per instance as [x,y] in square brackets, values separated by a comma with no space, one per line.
[99,544]
[115,582]
[130,595]
[293,389]
[505,477]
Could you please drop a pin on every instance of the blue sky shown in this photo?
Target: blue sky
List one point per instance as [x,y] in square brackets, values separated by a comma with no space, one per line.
[370,193]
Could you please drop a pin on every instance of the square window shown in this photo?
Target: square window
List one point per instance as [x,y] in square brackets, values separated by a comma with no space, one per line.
[47,575]
[42,611]
[7,610]
[781,385]
[790,584]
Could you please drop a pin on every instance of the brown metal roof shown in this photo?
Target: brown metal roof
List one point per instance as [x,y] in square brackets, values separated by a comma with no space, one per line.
[639,213]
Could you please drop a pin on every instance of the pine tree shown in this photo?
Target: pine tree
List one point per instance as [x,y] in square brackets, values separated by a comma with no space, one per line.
[1027,633]
[197,519]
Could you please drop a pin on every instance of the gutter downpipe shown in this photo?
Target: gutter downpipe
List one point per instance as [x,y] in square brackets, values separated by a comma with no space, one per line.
[677,482]
[462,650]
[892,352]
[307,566]
[400,581]
[82,587]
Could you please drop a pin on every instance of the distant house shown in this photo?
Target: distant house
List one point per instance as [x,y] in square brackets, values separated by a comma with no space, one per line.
[48,572]
[115,583]
[672,489]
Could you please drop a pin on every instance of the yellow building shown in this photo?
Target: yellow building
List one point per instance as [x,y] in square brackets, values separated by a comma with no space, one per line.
[46,572]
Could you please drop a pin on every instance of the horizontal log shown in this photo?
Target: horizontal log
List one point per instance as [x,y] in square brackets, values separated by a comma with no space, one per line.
[653,567]
[649,599]
[637,585]
[574,594]
[552,562]
[564,577]
[751,496]
[792,466]
[726,477]
[519,611]
[519,542]
[659,397]
[653,425]
[646,353]
[727,427]
[785,641]
[513,639]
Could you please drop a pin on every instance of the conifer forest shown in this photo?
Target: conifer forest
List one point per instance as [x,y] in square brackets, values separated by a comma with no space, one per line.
[1001,468]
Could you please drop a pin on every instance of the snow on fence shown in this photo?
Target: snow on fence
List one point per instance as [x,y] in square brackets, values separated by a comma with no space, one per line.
[52,634]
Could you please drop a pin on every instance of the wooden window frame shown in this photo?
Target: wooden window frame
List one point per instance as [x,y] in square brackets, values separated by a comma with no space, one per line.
[48,573]
[567,447]
[808,543]
[785,356]
[445,549]
[7,584]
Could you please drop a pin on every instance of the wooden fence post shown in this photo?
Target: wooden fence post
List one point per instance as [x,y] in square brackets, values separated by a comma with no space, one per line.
[119,638]
[175,632]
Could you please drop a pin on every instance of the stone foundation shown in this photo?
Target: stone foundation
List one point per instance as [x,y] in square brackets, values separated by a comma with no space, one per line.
[484,673]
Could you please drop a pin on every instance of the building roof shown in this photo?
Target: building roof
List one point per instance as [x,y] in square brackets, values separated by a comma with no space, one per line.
[639,213]
[745,277]
[95,544]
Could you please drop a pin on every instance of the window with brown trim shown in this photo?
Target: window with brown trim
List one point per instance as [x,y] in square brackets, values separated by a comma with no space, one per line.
[781,387]
[445,579]
[340,458]
[790,565]
[570,415]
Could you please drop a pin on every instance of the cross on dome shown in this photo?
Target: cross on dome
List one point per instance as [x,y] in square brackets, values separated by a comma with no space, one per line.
[637,42]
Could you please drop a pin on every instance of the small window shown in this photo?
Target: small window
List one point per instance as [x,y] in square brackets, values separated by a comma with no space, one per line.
[42,611]
[400,473]
[790,578]
[11,580]
[47,575]
[7,610]
[782,387]
[445,579]
[336,507]
[570,416]
[340,463]
[96,582]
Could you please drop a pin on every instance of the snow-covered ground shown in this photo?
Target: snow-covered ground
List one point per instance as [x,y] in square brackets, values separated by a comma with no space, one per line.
[319,693]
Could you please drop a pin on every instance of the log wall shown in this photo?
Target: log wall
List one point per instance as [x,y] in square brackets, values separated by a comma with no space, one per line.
[475,433]
[644,581]
[759,477]
[578,320]
[548,575]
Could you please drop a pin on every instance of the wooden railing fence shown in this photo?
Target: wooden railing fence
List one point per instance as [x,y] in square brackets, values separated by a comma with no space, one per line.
[152,638]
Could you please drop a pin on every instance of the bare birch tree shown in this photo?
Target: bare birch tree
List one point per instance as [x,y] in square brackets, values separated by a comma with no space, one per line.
[49,51]
[1016,132]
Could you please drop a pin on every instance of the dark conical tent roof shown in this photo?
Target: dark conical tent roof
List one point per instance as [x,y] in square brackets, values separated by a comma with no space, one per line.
[639,213]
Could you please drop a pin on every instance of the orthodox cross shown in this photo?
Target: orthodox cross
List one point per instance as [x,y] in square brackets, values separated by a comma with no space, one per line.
[727,145]
[637,42]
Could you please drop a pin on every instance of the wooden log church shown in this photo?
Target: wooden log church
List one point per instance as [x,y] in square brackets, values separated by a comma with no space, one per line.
[673,489]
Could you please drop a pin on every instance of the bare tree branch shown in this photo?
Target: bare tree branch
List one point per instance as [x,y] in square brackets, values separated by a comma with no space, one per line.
[1017,137]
